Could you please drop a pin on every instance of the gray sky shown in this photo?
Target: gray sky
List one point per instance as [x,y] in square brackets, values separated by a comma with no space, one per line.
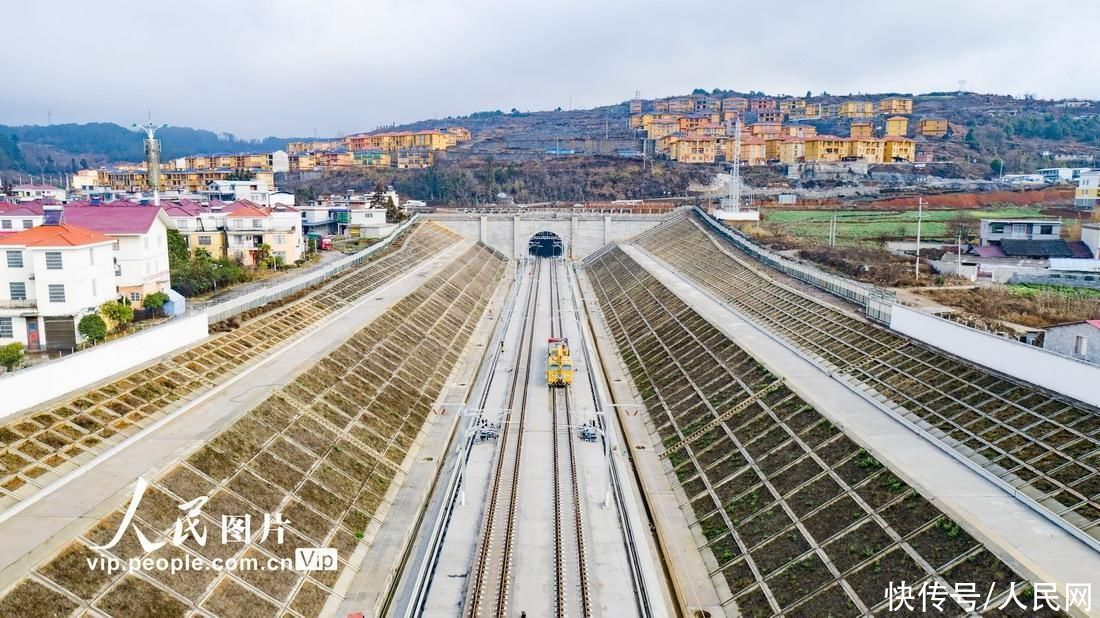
[289,67]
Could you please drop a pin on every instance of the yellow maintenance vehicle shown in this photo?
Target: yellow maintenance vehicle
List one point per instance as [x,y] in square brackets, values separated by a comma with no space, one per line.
[559,365]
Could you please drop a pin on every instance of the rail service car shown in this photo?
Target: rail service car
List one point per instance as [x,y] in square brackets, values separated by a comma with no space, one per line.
[559,365]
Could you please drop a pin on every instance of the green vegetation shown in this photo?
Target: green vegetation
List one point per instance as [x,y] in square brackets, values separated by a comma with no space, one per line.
[200,273]
[92,327]
[120,314]
[856,227]
[11,356]
[1034,291]
[117,143]
[155,302]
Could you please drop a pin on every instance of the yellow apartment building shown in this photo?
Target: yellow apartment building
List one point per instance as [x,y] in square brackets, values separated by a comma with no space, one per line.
[812,111]
[753,150]
[762,105]
[898,149]
[933,127]
[825,148]
[635,121]
[799,130]
[897,126]
[865,149]
[861,128]
[414,158]
[661,128]
[765,129]
[735,104]
[792,105]
[713,129]
[649,118]
[895,105]
[693,149]
[856,109]
[303,162]
[792,150]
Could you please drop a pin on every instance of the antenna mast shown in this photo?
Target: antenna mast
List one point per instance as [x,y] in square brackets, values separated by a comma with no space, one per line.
[152,157]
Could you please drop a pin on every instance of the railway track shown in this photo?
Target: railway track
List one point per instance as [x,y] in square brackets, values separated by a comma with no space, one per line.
[569,535]
[489,589]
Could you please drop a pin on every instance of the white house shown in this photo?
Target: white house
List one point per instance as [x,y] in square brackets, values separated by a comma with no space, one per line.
[140,235]
[26,193]
[50,277]
[21,216]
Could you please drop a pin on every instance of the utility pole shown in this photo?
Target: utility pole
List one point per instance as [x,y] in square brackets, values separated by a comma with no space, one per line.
[920,214]
[832,231]
[959,253]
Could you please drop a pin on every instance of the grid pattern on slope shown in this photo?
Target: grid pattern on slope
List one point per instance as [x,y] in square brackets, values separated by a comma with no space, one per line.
[796,518]
[38,448]
[1046,447]
[324,451]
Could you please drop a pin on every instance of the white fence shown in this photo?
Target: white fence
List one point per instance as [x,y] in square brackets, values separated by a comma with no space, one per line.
[1061,374]
[32,386]
[876,302]
[265,295]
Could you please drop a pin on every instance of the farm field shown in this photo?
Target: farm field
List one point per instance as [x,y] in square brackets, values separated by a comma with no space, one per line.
[862,227]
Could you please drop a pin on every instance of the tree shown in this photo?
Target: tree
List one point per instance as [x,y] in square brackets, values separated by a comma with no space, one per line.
[83,164]
[178,253]
[118,313]
[699,91]
[155,302]
[92,327]
[962,226]
[241,174]
[11,356]
[998,166]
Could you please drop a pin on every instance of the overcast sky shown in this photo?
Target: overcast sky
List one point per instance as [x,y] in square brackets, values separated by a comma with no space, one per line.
[293,67]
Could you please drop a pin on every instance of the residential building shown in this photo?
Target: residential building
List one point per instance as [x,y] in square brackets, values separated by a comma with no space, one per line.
[649,118]
[676,105]
[770,116]
[785,149]
[765,129]
[753,150]
[861,129]
[739,105]
[691,121]
[250,227]
[140,244]
[1088,190]
[897,126]
[812,111]
[825,148]
[1064,174]
[18,217]
[1077,339]
[413,158]
[866,149]
[635,106]
[996,230]
[278,161]
[51,276]
[233,190]
[202,224]
[372,157]
[28,192]
[799,130]
[693,149]
[762,105]
[84,180]
[788,106]
[898,149]
[932,127]
[660,128]
[895,105]
[856,109]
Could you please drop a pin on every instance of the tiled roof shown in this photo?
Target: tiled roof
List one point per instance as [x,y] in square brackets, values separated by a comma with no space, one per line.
[113,218]
[21,209]
[64,235]
[248,210]
[1035,248]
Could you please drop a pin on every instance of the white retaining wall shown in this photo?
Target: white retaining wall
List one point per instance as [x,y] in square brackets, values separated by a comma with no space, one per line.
[35,385]
[1056,372]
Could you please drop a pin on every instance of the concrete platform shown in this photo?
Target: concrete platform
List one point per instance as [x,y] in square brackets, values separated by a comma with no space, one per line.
[1026,541]
[34,530]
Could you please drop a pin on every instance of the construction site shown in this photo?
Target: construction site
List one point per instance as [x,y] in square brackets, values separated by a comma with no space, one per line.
[560,413]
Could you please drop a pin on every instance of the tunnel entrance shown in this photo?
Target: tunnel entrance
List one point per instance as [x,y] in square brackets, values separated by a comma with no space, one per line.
[545,244]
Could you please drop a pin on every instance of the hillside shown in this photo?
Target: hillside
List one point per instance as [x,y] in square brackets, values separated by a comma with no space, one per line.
[48,149]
